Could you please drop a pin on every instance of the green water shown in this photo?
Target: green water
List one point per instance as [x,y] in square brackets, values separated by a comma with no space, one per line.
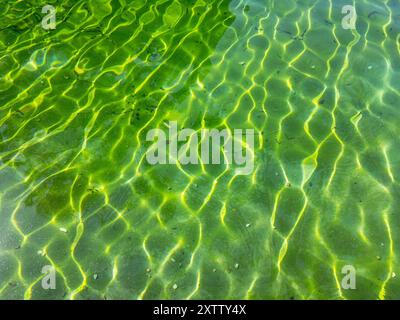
[76,191]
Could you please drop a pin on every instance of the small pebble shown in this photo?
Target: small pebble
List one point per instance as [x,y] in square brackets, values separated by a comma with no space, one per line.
[155,56]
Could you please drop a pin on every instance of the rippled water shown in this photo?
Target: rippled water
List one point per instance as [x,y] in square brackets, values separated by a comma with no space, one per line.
[76,192]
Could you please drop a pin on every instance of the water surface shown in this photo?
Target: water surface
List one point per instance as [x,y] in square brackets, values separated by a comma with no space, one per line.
[76,192]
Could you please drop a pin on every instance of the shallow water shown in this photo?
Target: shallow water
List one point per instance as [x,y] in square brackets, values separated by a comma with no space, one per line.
[76,192]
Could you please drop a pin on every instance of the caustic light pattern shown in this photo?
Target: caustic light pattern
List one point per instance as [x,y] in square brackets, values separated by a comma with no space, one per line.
[76,191]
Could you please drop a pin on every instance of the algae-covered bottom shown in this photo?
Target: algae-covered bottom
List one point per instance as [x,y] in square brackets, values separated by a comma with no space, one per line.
[77,193]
